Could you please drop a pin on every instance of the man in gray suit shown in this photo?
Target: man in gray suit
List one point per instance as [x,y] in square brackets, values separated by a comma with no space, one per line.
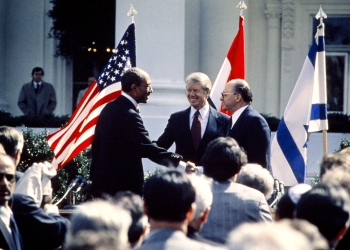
[169,204]
[37,97]
[233,203]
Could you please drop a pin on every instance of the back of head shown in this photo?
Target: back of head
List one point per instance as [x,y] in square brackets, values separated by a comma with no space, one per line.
[168,196]
[130,77]
[11,139]
[133,203]
[257,177]
[223,159]
[204,195]
[327,206]
[337,160]
[262,236]
[310,231]
[97,216]
[199,77]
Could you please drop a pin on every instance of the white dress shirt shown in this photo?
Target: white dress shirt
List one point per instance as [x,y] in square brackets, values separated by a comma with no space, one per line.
[5,215]
[130,99]
[237,114]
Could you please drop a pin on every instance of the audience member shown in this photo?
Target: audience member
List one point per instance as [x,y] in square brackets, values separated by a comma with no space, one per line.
[10,237]
[233,203]
[203,201]
[262,236]
[327,206]
[133,203]
[12,140]
[37,97]
[82,92]
[337,160]
[169,205]
[311,232]
[288,202]
[100,217]
[257,177]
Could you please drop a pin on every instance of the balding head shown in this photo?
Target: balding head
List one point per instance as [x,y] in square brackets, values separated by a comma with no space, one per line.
[236,94]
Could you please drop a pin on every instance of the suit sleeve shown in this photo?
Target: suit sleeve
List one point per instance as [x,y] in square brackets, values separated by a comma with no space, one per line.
[144,147]
[264,211]
[259,142]
[22,102]
[52,100]
[167,138]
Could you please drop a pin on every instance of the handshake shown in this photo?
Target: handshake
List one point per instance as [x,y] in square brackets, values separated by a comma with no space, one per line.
[191,168]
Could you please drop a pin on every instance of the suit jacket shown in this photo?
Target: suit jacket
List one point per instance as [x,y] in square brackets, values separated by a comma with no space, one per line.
[178,131]
[7,239]
[252,132]
[194,235]
[41,103]
[170,239]
[119,144]
[232,205]
[38,229]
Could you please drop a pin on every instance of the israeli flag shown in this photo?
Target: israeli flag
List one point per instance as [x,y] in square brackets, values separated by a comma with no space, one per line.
[306,112]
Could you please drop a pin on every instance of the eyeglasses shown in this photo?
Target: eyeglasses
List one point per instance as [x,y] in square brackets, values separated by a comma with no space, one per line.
[223,94]
[9,177]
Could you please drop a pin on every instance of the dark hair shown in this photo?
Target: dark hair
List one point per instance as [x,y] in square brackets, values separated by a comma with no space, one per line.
[134,204]
[130,77]
[37,69]
[11,139]
[244,90]
[327,207]
[285,207]
[168,196]
[223,159]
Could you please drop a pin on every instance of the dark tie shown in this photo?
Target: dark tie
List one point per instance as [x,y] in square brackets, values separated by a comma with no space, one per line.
[196,130]
[138,110]
[15,233]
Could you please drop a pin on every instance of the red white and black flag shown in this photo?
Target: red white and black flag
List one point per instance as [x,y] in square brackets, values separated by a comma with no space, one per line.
[79,132]
[232,68]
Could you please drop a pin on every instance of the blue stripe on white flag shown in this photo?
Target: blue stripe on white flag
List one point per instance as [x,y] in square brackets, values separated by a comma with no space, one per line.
[291,151]
[318,112]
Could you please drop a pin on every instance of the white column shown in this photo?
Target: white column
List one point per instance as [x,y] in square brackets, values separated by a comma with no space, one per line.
[272,89]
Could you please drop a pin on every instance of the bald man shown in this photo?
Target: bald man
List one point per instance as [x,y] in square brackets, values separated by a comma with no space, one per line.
[247,127]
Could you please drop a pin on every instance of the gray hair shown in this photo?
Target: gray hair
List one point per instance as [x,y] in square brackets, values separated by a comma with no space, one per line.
[257,177]
[11,139]
[97,216]
[262,236]
[199,77]
[204,195]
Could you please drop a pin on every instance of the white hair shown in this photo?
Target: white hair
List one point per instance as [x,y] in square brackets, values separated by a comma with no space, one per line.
[257,177]
[262,236]
[204,195]
[98,216]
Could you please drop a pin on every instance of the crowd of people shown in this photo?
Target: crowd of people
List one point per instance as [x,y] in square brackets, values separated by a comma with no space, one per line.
[214,194]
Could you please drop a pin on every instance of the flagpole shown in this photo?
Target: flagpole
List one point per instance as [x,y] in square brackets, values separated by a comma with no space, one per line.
[132,12]
[320,15]
[241,6]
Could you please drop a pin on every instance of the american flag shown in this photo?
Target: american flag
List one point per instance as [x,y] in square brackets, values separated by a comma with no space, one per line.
[79,132]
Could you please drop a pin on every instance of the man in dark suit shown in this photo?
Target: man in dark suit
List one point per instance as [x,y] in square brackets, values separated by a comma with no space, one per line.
[10,238]
[169,206]
[37,97]
[121,140]
[180,129]
[233,203]
[247,127]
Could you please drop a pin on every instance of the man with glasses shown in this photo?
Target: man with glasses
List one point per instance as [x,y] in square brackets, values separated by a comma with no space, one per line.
[195,127]
[247,126]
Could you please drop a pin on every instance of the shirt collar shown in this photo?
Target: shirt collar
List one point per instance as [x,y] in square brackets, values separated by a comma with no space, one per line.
[237,114]
[35,83]
[203,111]
[130,99]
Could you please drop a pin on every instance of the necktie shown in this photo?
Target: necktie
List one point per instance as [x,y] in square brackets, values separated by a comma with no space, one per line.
[15,233]
[196,130]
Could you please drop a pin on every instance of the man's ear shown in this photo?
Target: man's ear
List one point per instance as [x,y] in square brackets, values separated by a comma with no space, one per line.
[191,212]
[204,217]
[342,231]
[18,157]
[145,209]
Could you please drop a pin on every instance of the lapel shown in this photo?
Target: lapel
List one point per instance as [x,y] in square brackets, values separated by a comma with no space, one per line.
[184,128]
[7,236]
[211,126]
[239,121]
